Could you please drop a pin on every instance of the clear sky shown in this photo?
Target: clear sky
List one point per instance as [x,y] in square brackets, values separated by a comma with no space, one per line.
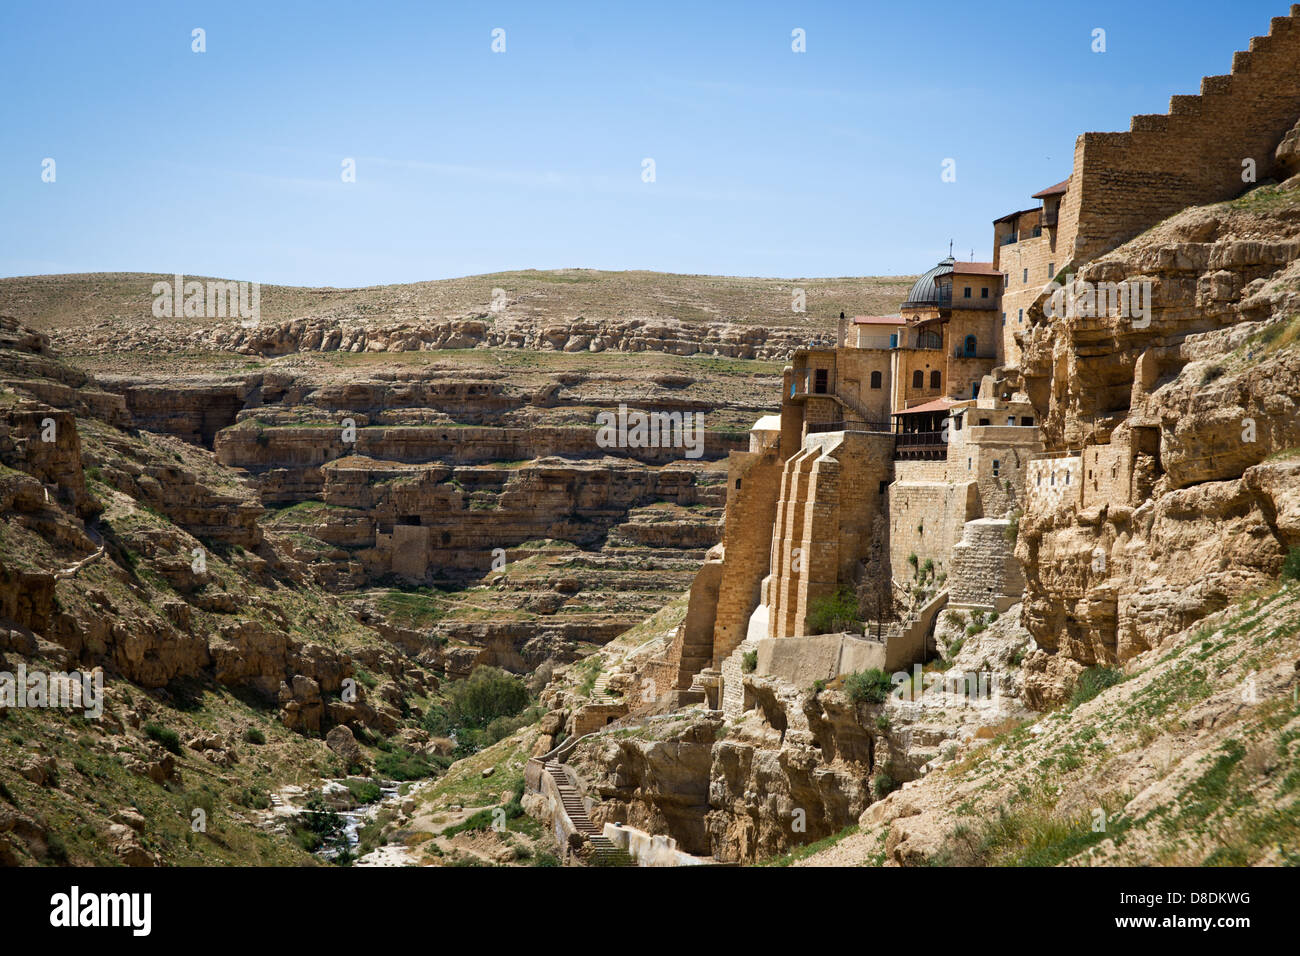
[767,162]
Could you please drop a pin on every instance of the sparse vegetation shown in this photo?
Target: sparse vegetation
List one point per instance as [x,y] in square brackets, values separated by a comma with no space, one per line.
[870,686]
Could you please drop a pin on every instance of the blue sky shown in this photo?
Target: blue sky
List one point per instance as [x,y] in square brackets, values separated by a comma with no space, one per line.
[767,162]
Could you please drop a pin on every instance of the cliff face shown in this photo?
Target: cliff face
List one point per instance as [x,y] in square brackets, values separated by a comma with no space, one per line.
[1189,761]
[577,335]
[794,771]
[1181,430]
[136,559]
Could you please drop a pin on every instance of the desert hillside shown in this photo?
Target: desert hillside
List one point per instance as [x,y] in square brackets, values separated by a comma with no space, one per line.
[562,310]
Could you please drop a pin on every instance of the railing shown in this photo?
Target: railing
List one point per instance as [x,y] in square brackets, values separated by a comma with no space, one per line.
[920,446]
[919,439]
[1010,239]
[850,426]
[985,353]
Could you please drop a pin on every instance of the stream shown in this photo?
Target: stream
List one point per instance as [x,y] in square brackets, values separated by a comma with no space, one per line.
[288,802]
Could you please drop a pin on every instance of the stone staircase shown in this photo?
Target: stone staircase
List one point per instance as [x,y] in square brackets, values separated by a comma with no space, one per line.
[604,853]
[600,689]
[733,689]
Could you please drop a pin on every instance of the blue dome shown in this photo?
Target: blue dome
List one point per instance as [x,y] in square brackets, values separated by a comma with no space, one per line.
[926,290]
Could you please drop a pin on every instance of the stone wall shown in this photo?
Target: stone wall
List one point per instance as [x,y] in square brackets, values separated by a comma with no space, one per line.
[754,482]
[985,572]
[1053,485]
[830,495]
[1029,264]
[926,520]
[1124,183]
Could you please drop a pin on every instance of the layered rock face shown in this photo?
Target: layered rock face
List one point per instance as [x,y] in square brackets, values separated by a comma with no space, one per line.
[1179,430]
[577,335]
[797,768]
[461,477]
[137,553]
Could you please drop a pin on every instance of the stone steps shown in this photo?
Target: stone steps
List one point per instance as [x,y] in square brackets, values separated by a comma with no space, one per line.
[733,689]
[604,852]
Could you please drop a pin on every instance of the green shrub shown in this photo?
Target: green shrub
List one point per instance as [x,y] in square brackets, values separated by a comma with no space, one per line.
[319,827]
[255,798]
[503,727]
[365,791]
[869,686]
[881,784]
[1013,527]
[749,662]
[165,736]
[485,695]
[1291,566]
[254,736]
[838,612]
[403,765]
[437,722]
[1092,682]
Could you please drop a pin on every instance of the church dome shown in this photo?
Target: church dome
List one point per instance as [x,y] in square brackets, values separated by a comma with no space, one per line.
[926,290]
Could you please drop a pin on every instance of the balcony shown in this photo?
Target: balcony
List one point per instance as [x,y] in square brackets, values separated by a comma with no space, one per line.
[870,427]
[1050,216]
[920,446]
[1009,239]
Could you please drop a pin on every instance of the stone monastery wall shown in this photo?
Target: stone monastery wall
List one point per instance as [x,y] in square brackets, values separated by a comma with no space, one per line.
[1123,183]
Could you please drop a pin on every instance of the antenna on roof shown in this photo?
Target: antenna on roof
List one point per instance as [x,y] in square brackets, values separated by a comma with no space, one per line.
[949,248]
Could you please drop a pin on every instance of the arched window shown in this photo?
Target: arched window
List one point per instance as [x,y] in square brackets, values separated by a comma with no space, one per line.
[970,346]
[918,379]
[935,379]
[875,380]
[929,339]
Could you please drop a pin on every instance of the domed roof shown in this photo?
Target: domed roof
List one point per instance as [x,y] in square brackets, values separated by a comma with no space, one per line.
[925,291]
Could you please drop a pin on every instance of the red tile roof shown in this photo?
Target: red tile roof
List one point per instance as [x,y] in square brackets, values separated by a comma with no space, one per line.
[1056,190]
[938,405]
[975,269]
[878,320]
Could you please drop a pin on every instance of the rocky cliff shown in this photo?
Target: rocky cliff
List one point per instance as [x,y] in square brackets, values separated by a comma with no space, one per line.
[1184,428]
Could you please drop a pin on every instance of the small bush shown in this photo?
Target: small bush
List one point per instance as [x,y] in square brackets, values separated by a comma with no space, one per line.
[365,791]
[165,736]
[487,694]
[830,615]
[749,662]
[437,722]
[870,686]
[403,765]
[1291,566]
[1092,682]
[881,784]
[254,798]
[254,736]
[1013,526]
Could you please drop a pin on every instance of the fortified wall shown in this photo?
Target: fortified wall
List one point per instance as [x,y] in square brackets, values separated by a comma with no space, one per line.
[1123,183]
